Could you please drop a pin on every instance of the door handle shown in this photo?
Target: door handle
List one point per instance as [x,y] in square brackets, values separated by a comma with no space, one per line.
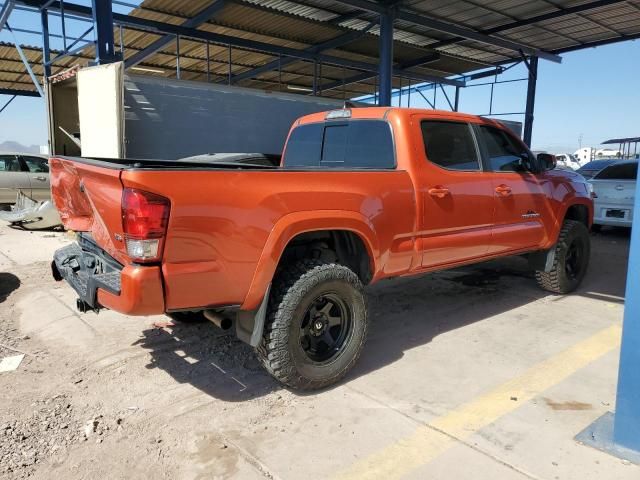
[41,178]
[503,190]
[439,192]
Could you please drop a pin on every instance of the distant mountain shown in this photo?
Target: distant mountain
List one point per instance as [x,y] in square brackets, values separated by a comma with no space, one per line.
[11,146]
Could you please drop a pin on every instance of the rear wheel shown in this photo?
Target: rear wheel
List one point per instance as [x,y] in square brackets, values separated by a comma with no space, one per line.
[571,259]
[316,325]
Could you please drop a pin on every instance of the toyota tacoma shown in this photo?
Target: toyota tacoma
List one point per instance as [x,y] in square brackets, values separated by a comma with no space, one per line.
[282,253]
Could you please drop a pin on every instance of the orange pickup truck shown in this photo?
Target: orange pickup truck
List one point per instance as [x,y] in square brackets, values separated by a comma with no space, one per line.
[283,253]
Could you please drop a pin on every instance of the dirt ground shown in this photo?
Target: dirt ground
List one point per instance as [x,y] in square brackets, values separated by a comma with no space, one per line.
[110,396]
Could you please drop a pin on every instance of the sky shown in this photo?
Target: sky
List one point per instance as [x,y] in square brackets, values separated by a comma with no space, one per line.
[588,98]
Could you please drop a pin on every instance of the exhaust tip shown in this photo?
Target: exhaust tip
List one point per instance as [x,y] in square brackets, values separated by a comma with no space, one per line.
[223,323]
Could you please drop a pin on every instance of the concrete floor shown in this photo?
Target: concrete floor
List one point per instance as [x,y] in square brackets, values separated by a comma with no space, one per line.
[472,373]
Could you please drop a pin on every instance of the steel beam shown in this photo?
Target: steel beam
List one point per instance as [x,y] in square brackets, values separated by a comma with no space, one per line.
[531,100]
[6,10]
[19,93]
[599,43]
[102,14]
[386,57]
[167,28]
[206,14]
[25,61]
[626,432]
[7,103]
[618,434]
[46,51]
[451,29]
[400,70]
[336,42]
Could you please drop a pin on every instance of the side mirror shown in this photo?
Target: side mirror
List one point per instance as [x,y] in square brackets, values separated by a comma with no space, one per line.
[546,161]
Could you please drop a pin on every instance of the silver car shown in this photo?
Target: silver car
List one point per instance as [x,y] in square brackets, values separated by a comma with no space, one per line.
[26,172]
[615,189]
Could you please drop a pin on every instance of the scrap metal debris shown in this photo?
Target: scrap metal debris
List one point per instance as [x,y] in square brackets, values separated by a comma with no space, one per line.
[30,214]
[9,364]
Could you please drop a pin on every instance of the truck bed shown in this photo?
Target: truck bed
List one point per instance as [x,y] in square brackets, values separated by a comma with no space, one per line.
[222,216]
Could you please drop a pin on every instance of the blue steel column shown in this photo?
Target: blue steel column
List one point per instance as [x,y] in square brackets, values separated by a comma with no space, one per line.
[386,57]
[626,429]
[103,28]
[531,100]
[46,53]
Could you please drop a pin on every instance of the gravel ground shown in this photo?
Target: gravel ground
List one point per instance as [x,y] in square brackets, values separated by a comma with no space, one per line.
[110,396]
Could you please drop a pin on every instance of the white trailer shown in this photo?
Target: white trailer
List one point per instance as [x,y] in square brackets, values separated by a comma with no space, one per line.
[104,112]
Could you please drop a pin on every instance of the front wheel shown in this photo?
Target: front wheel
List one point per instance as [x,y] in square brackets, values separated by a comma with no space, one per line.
[316,325]
[571,260]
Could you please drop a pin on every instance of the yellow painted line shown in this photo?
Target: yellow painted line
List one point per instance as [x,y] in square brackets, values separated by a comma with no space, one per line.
[429,441]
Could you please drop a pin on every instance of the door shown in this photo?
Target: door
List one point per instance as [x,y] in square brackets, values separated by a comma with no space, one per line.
[39,176]
[456,195]
[520,198]
[12,179]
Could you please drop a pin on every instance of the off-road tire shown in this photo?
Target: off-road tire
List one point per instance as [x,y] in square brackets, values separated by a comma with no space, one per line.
[294,290]
[558,280]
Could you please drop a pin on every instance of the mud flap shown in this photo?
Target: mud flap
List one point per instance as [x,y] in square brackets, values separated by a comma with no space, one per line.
[250,324]
[542,260]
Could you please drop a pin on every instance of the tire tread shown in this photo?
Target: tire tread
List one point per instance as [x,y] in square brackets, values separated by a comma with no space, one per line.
[291,284]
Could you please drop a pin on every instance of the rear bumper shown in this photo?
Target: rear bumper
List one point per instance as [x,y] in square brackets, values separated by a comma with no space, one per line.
[131,289]
[600,214]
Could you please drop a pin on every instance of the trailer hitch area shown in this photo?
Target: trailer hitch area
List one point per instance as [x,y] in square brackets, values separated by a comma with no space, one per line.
[55,272]
[84,307]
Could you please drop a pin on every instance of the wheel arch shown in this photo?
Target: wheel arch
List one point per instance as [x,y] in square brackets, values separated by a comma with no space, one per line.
[579,209]
[344,227]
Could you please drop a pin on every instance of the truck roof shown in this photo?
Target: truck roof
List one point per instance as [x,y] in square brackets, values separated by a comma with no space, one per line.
[386,112]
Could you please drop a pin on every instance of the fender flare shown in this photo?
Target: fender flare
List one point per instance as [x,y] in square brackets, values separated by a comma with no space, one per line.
[566,205]
[251,317]
[294,224]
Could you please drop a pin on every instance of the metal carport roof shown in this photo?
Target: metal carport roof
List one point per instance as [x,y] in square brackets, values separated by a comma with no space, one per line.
[339,39]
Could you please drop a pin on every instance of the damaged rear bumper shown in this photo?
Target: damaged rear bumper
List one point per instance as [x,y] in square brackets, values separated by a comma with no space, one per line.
[101,282]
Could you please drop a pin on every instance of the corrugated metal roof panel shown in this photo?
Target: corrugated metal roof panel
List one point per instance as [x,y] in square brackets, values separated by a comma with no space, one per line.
[302,24]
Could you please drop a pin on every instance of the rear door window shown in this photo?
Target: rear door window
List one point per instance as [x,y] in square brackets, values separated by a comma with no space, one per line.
[9,163]
[352,144]
[450,145]
[620,171]
[504,154]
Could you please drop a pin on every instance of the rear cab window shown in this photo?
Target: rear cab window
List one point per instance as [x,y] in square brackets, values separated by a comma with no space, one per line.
[450,145]
[619,171]
[352,144]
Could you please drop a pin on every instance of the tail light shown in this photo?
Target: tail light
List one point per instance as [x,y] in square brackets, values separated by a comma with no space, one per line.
[144,221]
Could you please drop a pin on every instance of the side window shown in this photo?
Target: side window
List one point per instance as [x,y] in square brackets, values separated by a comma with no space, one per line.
[505,154]
[9,163]
[37,165]
[450,145]
[351,144]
